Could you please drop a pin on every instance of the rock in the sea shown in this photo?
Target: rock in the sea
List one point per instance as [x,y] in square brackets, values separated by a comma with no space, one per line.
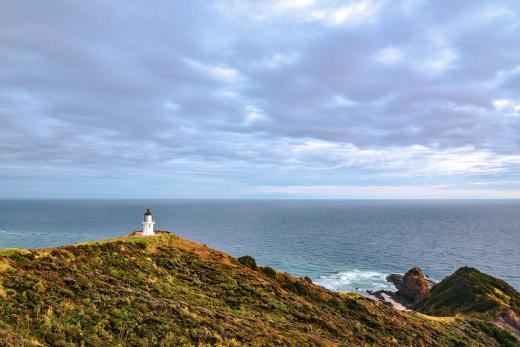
[396,280]
[414,287]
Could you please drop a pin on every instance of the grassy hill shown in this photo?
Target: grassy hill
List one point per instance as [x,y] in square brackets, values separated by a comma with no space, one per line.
[168,291]
[472,293]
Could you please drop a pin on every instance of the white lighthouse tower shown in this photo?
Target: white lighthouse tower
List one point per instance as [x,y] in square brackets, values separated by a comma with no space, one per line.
[148,224]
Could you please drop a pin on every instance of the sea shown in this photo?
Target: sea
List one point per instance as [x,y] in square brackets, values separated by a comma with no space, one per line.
[344,245]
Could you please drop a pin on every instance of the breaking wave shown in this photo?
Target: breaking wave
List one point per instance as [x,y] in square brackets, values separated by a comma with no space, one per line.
[355,281]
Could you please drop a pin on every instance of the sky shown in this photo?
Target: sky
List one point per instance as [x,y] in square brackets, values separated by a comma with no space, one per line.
[353,99]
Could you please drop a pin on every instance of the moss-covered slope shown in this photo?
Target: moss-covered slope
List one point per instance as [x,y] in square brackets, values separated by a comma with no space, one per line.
[472,293]
[168,291]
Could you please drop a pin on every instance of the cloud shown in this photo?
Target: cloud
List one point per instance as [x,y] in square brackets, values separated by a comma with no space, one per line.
[226,74]
[508,107]
[386,192]
[407,161]
[334,13]
[389,55]
[278,60]
[254,115]
[353,13]
[230,96]
[441,61]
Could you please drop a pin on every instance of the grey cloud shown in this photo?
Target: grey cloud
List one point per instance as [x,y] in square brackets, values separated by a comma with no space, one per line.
[340,64]
[109,86]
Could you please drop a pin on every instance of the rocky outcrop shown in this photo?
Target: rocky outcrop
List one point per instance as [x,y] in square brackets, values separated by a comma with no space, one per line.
[414,286]
[396,280]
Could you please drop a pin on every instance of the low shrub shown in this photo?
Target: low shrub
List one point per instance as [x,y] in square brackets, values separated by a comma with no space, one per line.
[268,271]
[17,256]
[248,261]
[502,336]
[298,288]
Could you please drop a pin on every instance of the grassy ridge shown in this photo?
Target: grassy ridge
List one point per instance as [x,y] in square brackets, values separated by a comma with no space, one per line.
[168,291]
[470,291]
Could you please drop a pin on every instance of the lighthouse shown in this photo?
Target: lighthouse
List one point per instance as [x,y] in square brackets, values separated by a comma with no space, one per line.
[148,224]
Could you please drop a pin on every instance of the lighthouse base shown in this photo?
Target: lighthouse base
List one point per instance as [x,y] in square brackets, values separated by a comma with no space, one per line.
[140,233]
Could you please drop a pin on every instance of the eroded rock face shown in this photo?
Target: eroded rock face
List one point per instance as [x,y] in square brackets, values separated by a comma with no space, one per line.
[396,280]
[510,321]
[414,286]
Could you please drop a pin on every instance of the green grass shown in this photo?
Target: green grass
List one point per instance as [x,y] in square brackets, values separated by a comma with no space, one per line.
[469,291]
[7,252]
[164,290]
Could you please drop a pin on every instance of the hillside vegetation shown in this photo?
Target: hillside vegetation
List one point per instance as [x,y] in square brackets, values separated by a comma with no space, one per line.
[472,293]
[167,291]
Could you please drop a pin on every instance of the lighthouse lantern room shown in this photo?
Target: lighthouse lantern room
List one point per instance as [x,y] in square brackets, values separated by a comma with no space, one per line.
[148,224]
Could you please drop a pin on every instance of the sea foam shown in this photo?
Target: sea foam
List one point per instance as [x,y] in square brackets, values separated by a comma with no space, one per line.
[355,281]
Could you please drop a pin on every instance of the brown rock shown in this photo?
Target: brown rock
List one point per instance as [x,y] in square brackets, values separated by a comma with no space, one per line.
[510,321]
[396,280]
[414,287]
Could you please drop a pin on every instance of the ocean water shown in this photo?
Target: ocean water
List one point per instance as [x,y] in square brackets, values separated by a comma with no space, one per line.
[345,245]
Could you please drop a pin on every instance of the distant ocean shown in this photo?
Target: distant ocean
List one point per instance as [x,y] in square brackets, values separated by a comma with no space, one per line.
[345,245]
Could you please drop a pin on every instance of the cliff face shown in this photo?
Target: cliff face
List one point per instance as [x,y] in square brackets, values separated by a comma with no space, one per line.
[168,291]
[414,287]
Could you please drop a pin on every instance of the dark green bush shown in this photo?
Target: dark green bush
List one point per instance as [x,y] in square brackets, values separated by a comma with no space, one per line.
[502,336]
[268,271]
[17,256]
[248,261]
[140,245]
[298,288]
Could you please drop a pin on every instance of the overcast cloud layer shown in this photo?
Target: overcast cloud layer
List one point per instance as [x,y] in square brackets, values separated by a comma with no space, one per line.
[302,98]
